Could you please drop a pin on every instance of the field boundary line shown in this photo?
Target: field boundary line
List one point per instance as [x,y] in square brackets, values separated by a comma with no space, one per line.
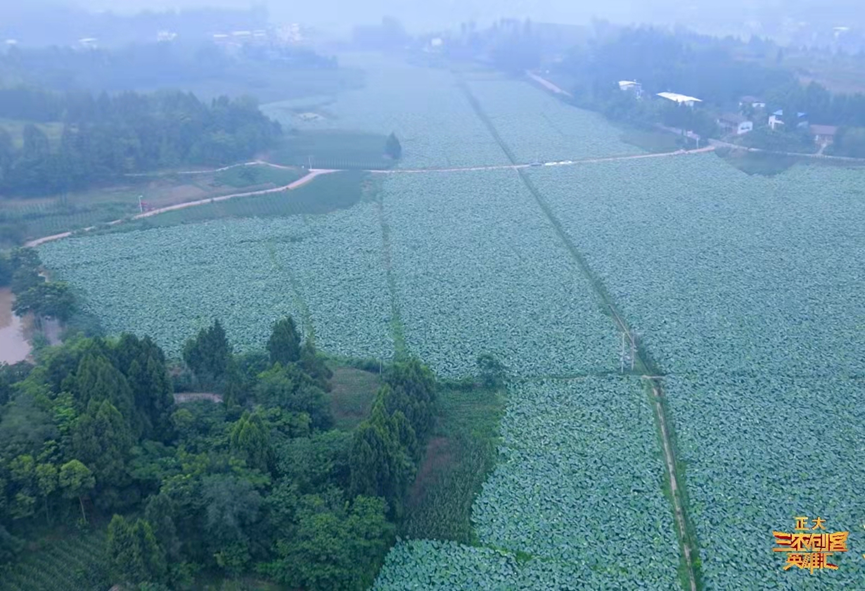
[644,365]
[397,327]
[306,316]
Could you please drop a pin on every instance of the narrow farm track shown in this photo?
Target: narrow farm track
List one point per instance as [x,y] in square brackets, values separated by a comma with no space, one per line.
[643,363]
[313,174]
[396,323]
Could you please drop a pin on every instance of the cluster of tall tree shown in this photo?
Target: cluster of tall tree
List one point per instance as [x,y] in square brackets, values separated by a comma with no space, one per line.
[20,269]
[258,484]
[107,136]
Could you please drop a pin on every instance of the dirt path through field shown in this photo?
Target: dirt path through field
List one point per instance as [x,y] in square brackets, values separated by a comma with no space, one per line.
[312,175]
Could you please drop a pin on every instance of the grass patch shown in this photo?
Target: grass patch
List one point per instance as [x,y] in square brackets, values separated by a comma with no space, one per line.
[651,141]
[64,560]
[332,149]
[760,163]
[254,176]
[459,455]
[339,190]
[351,396]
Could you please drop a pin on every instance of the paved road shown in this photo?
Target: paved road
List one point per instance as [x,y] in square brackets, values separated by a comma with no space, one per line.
[819,155]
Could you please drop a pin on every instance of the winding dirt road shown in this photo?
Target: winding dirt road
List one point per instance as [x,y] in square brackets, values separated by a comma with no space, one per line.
[298,183]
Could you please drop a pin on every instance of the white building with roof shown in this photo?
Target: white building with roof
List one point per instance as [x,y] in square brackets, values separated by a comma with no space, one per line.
[681,99]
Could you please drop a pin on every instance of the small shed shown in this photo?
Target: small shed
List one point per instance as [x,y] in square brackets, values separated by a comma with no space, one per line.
[753,102]
[824,134]
[735,123]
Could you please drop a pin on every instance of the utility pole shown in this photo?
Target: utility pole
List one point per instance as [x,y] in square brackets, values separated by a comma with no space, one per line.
[140,206]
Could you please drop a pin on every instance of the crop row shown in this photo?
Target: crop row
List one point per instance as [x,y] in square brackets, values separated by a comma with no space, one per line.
[722,272]
[480,270]
[540,127]
[169,282]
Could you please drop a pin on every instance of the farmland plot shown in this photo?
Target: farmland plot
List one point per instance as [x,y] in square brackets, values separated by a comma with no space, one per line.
[480,270]
[722,272]
[428,565]
[761,451]
[169,282]
[539,127]
[579,481]
[429,113]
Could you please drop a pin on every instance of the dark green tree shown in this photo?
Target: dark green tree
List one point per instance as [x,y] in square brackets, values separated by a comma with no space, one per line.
[208,355]
[250,441]
[292,390]
[51,299]
[76,481]
[392,147]
[284,342]
[97,380]
[334,546]
[133,552]
[102,440]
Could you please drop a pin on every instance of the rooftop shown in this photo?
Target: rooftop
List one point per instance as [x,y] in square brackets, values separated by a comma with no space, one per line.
[678,98]
[824,129]
[733,118]
[752,99]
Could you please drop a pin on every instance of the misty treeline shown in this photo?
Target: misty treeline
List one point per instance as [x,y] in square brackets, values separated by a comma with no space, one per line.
[146,65]
[260,483]
[106,136]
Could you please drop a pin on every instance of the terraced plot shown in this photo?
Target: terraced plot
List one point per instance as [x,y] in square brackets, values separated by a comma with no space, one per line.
[480,270]
[168,282]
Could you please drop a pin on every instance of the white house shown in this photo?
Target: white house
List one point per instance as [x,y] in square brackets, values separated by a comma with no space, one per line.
[631,86]
[734,123]
[680,98]
[753,102]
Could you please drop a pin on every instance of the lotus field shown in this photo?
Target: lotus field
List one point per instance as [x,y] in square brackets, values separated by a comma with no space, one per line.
[169,282]
[579,481]
[538,127]
[479,269]
[747,292]
[424,107]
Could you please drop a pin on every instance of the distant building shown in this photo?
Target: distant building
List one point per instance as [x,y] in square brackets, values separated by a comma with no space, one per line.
[631,86]
[776,120]
[824,134]
[88,43]
[681,99]
[165,36]
[11,42]
[753,102]
[734,123]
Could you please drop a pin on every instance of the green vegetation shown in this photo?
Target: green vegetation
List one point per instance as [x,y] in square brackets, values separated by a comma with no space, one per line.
[332,149]
[327,193]
[458,459]
[258,484]
[351,396]
[253,176]
[63,560]
[276,267]
[106,137]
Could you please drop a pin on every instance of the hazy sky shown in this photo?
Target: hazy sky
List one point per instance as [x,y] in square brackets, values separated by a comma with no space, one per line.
[420,15]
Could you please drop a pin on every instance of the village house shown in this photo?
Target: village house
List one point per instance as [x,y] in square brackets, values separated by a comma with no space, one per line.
[681,99]
[631,86]
[824,134]
[753,102]
[776,120]
[735,123]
